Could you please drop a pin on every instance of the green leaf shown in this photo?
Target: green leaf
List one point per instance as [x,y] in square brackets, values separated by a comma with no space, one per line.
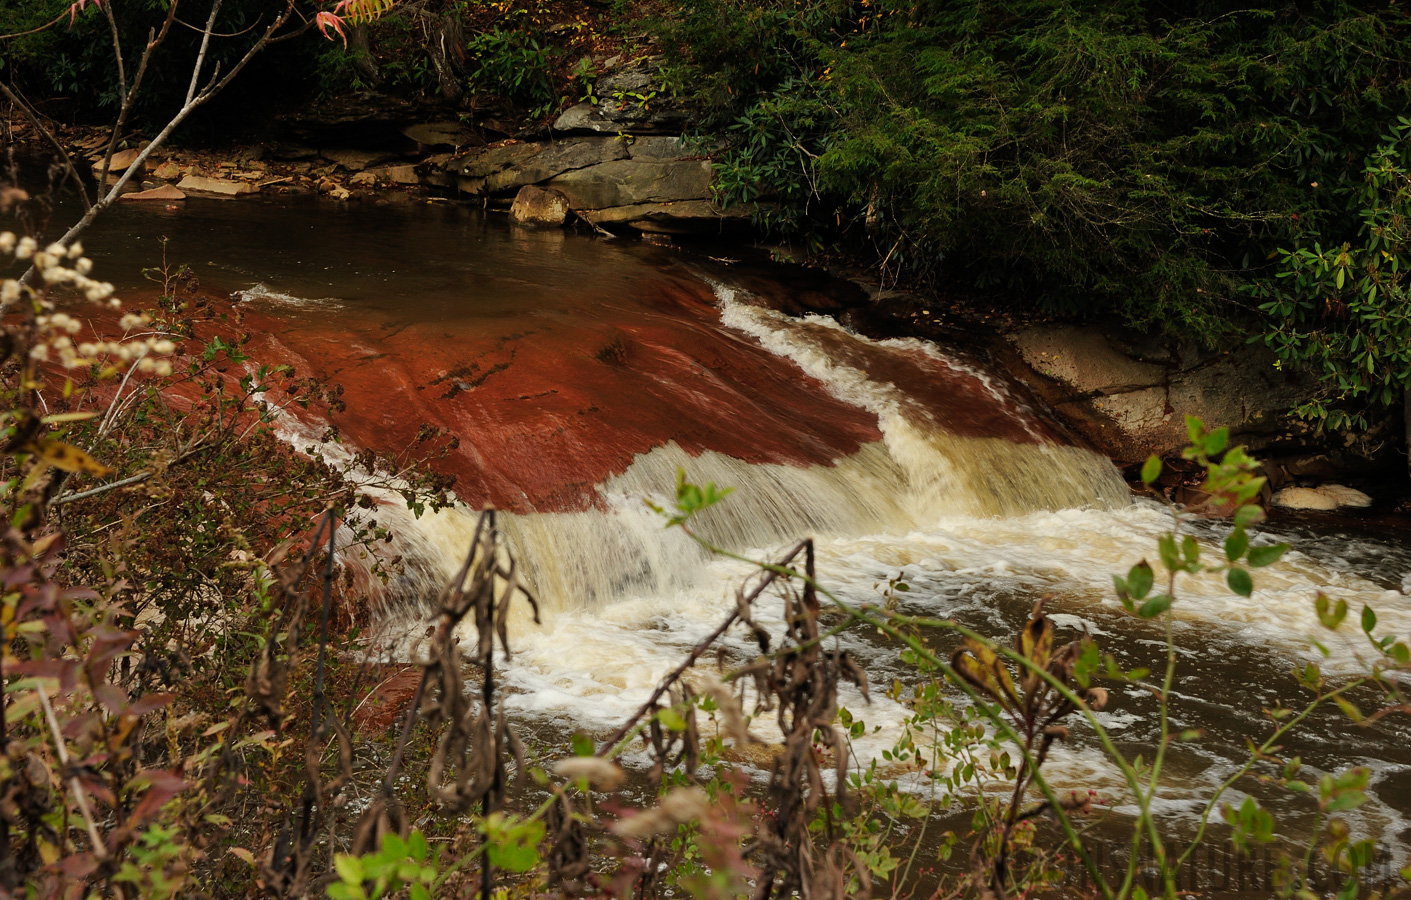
[1236,544]
[1195,429]
[671,720]
[1166,544]
[1155,606]
[1216,441]
[1263,556]
[1240,582]
[1246,516]
[1151,469]
[417,848]
[1369,619]
[1349,709]
[582,744]
[1139,580]
[1191,550]
[1330,615]
[349,868]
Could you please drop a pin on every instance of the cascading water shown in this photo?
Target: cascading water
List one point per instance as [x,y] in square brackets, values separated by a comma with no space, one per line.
[580,376]
[919,471]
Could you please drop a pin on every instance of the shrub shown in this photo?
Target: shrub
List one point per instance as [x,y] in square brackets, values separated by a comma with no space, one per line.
[1093,157]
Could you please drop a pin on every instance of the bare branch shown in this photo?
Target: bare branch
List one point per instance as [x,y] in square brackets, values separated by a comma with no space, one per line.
[36,120]
[6,37]
[201,54]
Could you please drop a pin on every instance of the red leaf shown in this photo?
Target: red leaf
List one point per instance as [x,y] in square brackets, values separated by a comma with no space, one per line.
[78,866]
[113,698]
[96,788]
[143,705]
[164,785]
[326,20]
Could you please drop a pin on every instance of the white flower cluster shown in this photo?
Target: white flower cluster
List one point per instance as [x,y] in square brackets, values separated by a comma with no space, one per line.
[56,264]
[55,331]
[57,343]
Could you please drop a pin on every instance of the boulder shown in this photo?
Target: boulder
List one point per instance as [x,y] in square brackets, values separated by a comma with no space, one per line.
[402,174]
[204,185]
[1323,497]
[167,171]
[629,182]
[120,163]
[494,170]
[536,206]
[165,192]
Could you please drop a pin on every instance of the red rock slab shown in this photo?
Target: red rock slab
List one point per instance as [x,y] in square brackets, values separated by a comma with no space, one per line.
[936,391]
[165,192]
[547,406]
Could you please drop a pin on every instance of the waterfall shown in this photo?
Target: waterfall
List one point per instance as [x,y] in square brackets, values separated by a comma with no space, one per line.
[921,470]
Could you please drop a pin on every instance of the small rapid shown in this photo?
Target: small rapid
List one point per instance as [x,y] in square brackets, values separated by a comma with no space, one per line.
[580,376]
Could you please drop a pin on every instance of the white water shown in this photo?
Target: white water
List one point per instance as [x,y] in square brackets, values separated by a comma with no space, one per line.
[978,526]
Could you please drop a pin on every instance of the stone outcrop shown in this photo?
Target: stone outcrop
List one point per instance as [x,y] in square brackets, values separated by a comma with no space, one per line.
[649,183]
[629,182]
[1131,395]
[632,99]
[494,170]
[672,217]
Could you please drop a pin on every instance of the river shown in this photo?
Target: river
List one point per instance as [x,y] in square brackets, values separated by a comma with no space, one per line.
[579,374]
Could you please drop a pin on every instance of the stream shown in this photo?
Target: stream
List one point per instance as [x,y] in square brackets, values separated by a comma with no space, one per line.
[579,374]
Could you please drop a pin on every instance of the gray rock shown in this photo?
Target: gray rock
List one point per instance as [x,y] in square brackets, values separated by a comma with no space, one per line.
[630,182]
[536,206]
[438,134]
[676,217]
[612,116]
[1134,407]
[658,147]
[639,79]
[402,175]
[495,170]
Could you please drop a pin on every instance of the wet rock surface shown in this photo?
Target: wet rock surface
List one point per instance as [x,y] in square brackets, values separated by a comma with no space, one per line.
[1133,394]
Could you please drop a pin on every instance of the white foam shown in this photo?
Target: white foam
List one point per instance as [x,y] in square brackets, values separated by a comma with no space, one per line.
[263,292]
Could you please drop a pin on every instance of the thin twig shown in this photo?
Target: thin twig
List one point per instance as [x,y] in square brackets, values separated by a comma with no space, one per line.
[100,850]
[701,647]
